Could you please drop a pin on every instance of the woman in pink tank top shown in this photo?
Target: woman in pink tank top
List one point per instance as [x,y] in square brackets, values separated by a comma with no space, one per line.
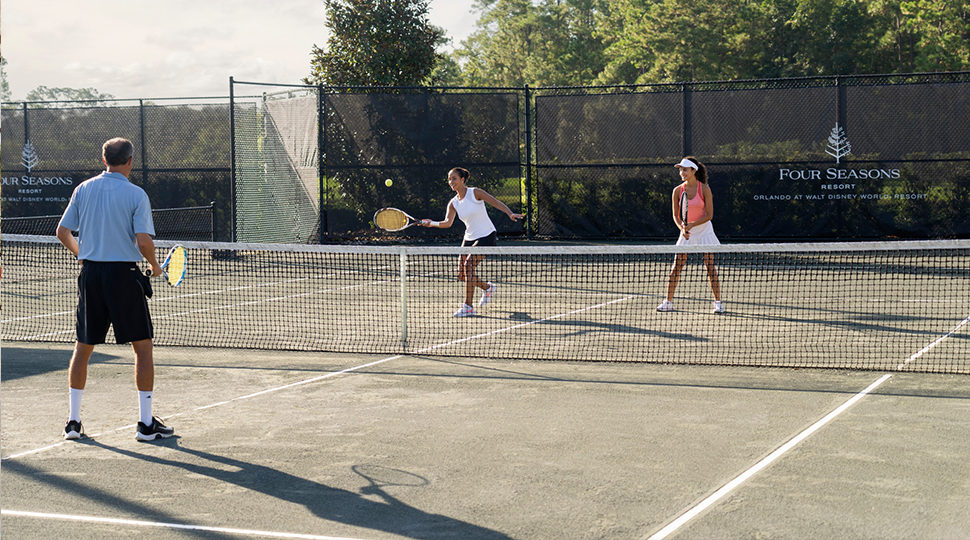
[696,230]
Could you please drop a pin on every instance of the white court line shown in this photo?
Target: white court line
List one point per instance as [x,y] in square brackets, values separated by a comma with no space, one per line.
[255,394]
[521,325]
[329,375]
[927,348]
[228,401]
[730,486]
[181,526]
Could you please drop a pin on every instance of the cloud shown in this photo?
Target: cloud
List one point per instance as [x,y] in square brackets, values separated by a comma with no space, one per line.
[178,48]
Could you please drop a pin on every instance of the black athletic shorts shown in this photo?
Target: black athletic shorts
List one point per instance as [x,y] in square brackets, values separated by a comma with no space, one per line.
[111,293]
[485,241]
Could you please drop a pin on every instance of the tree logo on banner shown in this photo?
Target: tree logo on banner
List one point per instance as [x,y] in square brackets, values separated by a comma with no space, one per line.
[839,146]
[29,159]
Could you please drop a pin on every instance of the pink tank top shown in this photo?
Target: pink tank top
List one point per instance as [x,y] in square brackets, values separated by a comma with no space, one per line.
[695,206]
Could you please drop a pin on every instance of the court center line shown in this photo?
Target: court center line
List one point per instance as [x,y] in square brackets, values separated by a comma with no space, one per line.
[180,526]
[771,458]
[328,375]
[521,325]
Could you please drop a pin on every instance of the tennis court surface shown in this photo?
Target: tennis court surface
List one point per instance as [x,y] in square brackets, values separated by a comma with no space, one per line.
[317,445]
[327,392]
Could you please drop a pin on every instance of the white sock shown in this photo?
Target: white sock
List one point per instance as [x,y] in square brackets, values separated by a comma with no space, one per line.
[75,411]
[145,407]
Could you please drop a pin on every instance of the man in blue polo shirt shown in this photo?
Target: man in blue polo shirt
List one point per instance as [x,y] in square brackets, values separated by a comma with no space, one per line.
[113,219]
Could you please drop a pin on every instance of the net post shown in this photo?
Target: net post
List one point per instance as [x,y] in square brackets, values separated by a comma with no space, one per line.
[322,179]
[404,299]
[232,160]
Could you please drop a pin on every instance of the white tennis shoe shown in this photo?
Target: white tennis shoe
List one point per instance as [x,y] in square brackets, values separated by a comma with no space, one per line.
[465,311]
[718,307]
[487,295]
[667,305]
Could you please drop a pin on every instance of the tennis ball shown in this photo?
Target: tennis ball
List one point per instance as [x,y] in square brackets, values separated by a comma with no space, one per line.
[388,182]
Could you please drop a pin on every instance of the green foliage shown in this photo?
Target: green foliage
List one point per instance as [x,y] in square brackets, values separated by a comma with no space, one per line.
[4,85]
[552,42]
[376,43]
[942,30]
[43,93]
[580,42]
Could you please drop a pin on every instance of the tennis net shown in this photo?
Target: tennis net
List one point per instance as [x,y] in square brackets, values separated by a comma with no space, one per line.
[881,306]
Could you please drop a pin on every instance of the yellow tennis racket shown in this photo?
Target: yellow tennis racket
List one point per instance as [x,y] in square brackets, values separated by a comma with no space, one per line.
[174,267]
[392,219]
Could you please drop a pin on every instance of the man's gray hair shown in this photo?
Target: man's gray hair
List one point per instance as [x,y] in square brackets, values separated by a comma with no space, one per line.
[117,151]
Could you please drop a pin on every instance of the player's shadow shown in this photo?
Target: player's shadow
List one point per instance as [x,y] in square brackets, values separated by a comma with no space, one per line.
[389,514]
[20,363]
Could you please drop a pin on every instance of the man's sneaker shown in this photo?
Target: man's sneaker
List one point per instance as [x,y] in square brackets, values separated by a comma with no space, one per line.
[718,307]
[465,311]
[487,295]
[154,431]
[73,430]
[667,305]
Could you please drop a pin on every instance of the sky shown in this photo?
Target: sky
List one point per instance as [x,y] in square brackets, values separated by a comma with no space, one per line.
[173,48]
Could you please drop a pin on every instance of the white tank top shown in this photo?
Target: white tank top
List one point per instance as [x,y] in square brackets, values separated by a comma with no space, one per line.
[472,213]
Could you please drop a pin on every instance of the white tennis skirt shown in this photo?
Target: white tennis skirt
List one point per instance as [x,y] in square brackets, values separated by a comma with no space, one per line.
[701,235]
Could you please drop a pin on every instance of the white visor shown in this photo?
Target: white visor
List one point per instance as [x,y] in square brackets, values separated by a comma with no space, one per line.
[686,163]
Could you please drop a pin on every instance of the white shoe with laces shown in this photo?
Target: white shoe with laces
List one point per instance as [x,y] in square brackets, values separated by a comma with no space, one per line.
[718,307]
[487,295]
[465,311]
[667,305]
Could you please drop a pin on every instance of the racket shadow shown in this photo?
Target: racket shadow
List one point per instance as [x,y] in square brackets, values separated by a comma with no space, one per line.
[380,477]
[391,515]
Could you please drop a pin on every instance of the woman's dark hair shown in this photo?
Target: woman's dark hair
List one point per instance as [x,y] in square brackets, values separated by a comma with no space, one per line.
[462,173]
[701,173]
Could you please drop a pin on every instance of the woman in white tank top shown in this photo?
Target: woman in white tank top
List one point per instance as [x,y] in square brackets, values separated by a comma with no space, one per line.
[469,205]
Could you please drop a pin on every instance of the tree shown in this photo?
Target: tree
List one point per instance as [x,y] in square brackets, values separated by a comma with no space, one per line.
[4,85]
[569,42]
[834,38]
[551,42]
[653,41]
[376,43]
[942,29]
[43,93]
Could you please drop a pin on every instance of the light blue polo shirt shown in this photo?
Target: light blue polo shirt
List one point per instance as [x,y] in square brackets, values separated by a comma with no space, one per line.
[106,211]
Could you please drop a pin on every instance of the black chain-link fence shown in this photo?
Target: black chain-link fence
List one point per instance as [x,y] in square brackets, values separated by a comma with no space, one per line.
[196,223]
[182,154]
[821,158]
[413,137]
[815,158]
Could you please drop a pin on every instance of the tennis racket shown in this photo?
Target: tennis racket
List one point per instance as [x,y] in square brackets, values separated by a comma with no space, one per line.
[392,219]
[174,267]
[683,206]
